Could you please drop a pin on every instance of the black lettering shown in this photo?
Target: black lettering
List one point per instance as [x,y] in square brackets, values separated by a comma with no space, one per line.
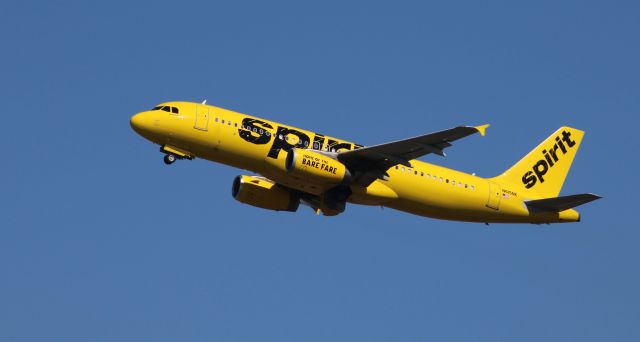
[529,179]
[250,136]
[282,144]
[566,136]
[564,149]
[547,157]
[553,152]
[335,146]
[540,169]
[318,141]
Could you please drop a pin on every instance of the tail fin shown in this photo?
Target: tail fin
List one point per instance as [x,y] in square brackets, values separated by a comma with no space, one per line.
[543,170]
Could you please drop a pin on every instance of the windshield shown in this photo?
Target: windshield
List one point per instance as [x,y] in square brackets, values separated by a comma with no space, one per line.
[167,109]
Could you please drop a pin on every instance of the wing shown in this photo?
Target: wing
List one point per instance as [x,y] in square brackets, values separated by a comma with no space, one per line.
[369,163]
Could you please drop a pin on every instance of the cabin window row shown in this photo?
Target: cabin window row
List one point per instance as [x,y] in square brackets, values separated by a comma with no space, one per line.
[435,178]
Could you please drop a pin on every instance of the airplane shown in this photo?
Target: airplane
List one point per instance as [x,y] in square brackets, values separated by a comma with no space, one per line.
[295,166]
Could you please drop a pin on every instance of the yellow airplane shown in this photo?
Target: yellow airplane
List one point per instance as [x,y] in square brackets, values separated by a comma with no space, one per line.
[299,166]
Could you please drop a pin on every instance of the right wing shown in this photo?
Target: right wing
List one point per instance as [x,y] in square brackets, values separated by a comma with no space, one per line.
[370,163]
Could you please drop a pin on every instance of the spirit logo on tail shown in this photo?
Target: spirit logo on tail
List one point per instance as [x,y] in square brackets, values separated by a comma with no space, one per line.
[540,168]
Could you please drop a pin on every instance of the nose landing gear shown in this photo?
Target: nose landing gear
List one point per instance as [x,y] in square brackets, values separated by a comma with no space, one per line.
[171,154]
[169,159]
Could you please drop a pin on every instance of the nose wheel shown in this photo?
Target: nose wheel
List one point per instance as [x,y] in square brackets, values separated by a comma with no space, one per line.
[169,159]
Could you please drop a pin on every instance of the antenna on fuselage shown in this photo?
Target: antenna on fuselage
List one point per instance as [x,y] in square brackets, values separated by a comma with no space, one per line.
[204,102]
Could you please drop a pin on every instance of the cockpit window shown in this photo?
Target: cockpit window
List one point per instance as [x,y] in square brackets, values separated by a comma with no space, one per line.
[167,109]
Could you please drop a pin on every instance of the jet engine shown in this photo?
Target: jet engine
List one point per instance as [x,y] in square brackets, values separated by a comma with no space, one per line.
[316,168]
[264,193]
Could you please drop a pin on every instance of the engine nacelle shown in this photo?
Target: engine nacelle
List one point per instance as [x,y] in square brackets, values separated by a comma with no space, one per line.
[263,193]
[316,168]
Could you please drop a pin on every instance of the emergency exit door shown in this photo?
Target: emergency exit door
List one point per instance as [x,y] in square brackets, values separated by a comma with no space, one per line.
[494,195]
[202,118]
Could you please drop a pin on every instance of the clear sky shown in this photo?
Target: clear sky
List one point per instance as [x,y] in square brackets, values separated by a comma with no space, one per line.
[100,241]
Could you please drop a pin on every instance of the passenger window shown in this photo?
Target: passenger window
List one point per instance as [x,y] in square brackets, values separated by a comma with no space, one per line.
[229,123]
[396,167]
[223,121]
[453,182]
[415,173]
[421,174]
[235,124]
[216,120]
[472,188]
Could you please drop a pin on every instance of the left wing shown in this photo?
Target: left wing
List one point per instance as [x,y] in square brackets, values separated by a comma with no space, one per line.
[370,163]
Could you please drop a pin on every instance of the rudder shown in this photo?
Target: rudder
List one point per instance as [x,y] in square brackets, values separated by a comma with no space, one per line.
[543,170]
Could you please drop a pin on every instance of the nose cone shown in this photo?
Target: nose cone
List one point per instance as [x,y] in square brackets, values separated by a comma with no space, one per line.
[141,123]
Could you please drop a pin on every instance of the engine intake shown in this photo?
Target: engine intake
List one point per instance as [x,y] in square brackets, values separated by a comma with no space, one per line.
[263,193]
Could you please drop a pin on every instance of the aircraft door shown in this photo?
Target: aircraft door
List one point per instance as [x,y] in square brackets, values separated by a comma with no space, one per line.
[494,196]
[202,118]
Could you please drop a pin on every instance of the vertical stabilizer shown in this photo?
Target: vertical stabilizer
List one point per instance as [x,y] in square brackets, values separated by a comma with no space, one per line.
[543,170]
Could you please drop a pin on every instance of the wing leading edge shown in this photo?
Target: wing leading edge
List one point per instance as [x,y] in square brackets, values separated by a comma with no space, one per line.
[371,163]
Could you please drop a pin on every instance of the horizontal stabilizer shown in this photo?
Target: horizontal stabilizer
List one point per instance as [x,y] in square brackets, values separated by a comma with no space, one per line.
[561,203]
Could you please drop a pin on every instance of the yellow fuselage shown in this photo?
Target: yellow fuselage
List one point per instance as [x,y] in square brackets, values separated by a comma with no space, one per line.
[425,189]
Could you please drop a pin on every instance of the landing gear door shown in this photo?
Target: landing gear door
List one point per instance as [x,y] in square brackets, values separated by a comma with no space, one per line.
[202,118]
[494,196]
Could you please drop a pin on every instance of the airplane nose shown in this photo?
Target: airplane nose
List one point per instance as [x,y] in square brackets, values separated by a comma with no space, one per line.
[140,122]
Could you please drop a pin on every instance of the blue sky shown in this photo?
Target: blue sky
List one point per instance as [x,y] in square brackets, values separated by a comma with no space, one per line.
[100,241]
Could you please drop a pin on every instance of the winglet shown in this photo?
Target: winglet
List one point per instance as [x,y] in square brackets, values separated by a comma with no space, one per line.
[482,129]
